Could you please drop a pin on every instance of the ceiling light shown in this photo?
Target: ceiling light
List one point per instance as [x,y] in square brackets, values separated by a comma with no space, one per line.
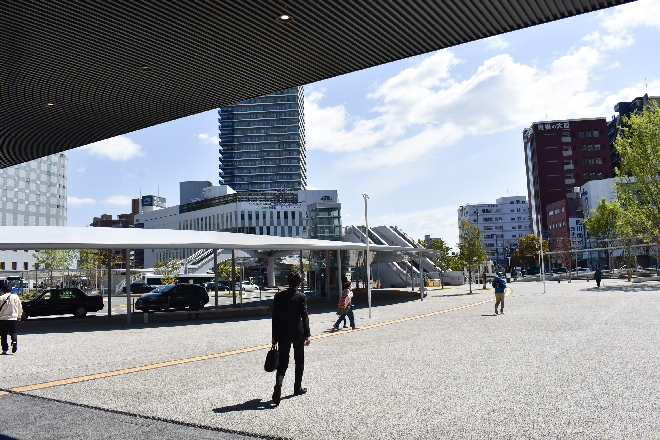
[145,69]
[284,18]
[50,104]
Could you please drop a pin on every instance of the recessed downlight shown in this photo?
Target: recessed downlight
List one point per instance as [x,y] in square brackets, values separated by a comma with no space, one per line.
[145,68]
[50,104]
[284,18]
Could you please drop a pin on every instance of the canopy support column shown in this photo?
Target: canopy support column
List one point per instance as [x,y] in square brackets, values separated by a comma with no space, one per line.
[302,274]
[271,272]
[128,287]
[421,278]
[339,277]
[327,275]
[215,273]
[109,282]
[233,275]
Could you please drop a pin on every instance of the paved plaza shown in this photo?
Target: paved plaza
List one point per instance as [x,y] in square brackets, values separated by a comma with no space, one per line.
[575,362]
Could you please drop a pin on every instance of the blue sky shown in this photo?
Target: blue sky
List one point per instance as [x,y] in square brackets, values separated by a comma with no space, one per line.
[421,136]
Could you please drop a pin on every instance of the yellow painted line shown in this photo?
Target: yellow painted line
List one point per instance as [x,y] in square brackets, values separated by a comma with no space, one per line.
[219,355]
[3,392]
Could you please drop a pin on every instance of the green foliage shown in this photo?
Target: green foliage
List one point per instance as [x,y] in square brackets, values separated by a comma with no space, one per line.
[605,222]
[638,179]
[471,251]
[57,259]
[224,270]
[168,270]
[527,254]
[441,259]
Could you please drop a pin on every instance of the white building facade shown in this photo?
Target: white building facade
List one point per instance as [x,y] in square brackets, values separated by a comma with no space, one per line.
[502,223]
[33,194]
[282,214]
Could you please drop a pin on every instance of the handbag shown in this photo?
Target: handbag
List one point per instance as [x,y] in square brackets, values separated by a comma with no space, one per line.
[272,359]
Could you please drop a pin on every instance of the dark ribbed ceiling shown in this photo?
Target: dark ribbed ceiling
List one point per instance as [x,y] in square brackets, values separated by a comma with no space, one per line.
[114,67]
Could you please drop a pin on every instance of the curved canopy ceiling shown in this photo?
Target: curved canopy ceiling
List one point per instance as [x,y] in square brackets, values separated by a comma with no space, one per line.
[72,73]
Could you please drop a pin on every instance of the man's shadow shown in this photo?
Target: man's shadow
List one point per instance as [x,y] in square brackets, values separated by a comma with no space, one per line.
[250,405]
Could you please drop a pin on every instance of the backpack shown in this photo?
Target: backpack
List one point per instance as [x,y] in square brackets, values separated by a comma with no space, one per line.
[497,283]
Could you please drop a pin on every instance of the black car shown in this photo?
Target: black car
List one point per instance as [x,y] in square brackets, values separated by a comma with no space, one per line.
[222,286]
[62,301]
[173,296]
[139,288]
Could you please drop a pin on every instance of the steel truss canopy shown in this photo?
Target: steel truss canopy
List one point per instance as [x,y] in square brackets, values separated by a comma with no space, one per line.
[72,73]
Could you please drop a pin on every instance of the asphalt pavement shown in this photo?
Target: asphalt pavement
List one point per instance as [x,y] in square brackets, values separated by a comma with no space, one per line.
[574,362]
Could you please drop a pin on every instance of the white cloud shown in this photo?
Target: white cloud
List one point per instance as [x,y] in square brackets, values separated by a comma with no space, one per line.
[76,202]
[81,170]
[609,41]
[117,149]
[496,42]
[118,200]
[639,13]
[208,138]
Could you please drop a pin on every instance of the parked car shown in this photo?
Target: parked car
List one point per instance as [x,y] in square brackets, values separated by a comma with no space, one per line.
[559,270]
[222,285]
[248,286]
[139,288]
[173,296]
[62,301]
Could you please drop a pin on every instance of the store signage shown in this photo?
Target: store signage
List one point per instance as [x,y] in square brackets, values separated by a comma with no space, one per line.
[553,126]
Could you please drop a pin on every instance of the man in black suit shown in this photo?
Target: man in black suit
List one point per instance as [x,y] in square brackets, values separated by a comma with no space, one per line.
[290,327]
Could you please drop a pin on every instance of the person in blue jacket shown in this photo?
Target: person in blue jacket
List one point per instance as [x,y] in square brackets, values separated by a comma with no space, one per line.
[499,284]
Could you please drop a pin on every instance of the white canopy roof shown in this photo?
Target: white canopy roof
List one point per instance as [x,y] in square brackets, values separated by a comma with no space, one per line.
[64,237]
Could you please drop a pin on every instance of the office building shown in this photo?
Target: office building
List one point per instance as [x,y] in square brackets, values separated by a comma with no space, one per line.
[262,143]
[624,109]
[564,219]
[281,213]
[501,223]
[561,156]
[191,191]
[33,194]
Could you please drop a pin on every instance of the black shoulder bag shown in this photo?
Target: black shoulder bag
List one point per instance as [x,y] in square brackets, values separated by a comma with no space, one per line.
[272,359]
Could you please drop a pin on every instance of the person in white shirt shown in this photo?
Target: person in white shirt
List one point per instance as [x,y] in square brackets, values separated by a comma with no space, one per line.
[10,313]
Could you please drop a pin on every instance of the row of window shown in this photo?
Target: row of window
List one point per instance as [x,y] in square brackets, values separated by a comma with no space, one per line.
[229,220]
[590,133]
[14,266]
[232,117]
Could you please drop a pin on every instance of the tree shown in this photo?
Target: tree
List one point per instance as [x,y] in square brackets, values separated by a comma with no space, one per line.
[563,247]
[605,223]
[440,259]
[168,270]
[471,251]
[527,254]
[56,259]
[224,270]
[637,182]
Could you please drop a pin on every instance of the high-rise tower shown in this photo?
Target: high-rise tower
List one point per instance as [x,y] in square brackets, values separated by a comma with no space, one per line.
[262,143]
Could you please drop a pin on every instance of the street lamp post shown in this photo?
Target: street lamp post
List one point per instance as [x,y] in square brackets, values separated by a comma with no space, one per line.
[366,224]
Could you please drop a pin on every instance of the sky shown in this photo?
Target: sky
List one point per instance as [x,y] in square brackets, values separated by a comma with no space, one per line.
[421,136]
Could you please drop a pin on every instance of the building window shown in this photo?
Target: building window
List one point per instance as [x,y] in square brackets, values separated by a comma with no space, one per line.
[597,147]
[581,134]
[590,148]
[25,266]
[595,133]
[2,265]
[14,265]
[600,175]
[588,134]
[585,175]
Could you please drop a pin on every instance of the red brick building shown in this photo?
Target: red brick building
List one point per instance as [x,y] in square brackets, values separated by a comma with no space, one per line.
[562,155]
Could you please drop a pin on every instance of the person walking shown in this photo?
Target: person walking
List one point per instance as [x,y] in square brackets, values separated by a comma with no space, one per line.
[499,285]
[598,275]
[345,306]
[290,327]
[10,313]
